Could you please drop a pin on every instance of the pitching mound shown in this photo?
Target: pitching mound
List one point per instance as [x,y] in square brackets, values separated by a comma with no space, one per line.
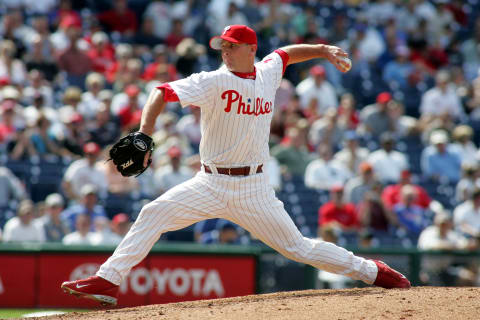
[366,303]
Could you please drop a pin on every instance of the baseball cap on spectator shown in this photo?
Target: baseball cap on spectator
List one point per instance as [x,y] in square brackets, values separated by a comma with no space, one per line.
[123,51]
[99,37]
[10,92]
[88,189]
[7,105]
[120,218]
[188,47]
[336,188]
[54,200]
[438,137]
[91,148]
[160,49]
[462,131]
[386,137]
[235,34]
[441,217]
[365,167]
[72,94]
[4,81]
[225,225]
[405,174]
[25,207]
[361,27]
[442,76]
[105,94]
[70,21]
[174,152]
[132,90]
[317,70]
[384,97]
[75,118]
[402,50]
[350,135]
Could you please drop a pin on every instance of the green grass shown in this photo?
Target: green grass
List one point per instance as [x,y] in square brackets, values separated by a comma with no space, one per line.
[18,313]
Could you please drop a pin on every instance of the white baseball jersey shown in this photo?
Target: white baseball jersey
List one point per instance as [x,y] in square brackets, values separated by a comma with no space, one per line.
[236,115]
[236,111]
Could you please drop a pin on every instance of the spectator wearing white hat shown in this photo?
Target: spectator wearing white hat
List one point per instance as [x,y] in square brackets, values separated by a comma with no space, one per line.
[438,161]
[466,216]
[11,68]
[82,234]
[387,162]
[439,236]
[172,174]
[54,227]
[88,205]
[90,100]
[10,95]
[119,227]
[462,136]
[84,171]
[441,99]
[21,228]
[325,172]
[317,95]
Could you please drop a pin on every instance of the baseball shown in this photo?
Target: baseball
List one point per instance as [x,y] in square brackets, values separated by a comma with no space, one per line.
[348,63]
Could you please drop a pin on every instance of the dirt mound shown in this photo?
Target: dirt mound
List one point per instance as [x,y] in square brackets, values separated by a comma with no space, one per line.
[366,303]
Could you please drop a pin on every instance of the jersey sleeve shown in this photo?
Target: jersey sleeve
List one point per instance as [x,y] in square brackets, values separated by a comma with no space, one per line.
[274,65]
[197,89]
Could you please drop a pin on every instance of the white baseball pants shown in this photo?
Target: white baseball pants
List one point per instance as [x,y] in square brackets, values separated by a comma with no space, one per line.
[245,200]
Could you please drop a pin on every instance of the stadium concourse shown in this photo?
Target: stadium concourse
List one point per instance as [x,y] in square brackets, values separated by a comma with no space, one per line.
[382,156]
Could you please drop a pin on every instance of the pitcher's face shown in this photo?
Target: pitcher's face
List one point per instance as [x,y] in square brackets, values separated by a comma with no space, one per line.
[237,57]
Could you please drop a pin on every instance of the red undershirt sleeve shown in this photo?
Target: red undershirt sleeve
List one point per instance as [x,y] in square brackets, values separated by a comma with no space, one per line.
[169,94]
[284,57]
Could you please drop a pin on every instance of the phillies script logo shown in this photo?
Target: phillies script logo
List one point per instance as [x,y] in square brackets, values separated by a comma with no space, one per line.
[249,108]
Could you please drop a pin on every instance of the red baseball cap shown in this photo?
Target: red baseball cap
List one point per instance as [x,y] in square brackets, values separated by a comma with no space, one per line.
[317,71]
[70,21]
[405,174]
[8,105]
[337,188]
[132,90]
[174,152]
[75,118]
[236,34]
[384,97]
[91,148]
[120,218]
[365,166]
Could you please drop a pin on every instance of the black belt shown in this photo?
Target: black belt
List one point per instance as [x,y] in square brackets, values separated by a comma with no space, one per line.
[241,171]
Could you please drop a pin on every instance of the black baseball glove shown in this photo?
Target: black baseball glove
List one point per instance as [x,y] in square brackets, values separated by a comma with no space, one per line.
[128,154]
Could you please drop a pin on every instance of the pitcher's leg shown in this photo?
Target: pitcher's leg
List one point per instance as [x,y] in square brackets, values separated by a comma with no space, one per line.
[260,212]
[178,208]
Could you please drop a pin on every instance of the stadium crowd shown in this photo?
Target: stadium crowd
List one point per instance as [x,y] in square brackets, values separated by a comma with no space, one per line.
[385,154]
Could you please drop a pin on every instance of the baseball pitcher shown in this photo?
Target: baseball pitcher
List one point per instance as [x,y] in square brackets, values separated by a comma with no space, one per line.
[237,106]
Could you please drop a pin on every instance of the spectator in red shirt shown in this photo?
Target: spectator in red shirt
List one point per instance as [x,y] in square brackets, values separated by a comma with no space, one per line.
[65,10]
[73,60]
[123,53]
[161,59]
[348,118]
[176,35]
[120,19]
[337,212]
[102,53]
[130,113]
[7,128]
[391,195]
